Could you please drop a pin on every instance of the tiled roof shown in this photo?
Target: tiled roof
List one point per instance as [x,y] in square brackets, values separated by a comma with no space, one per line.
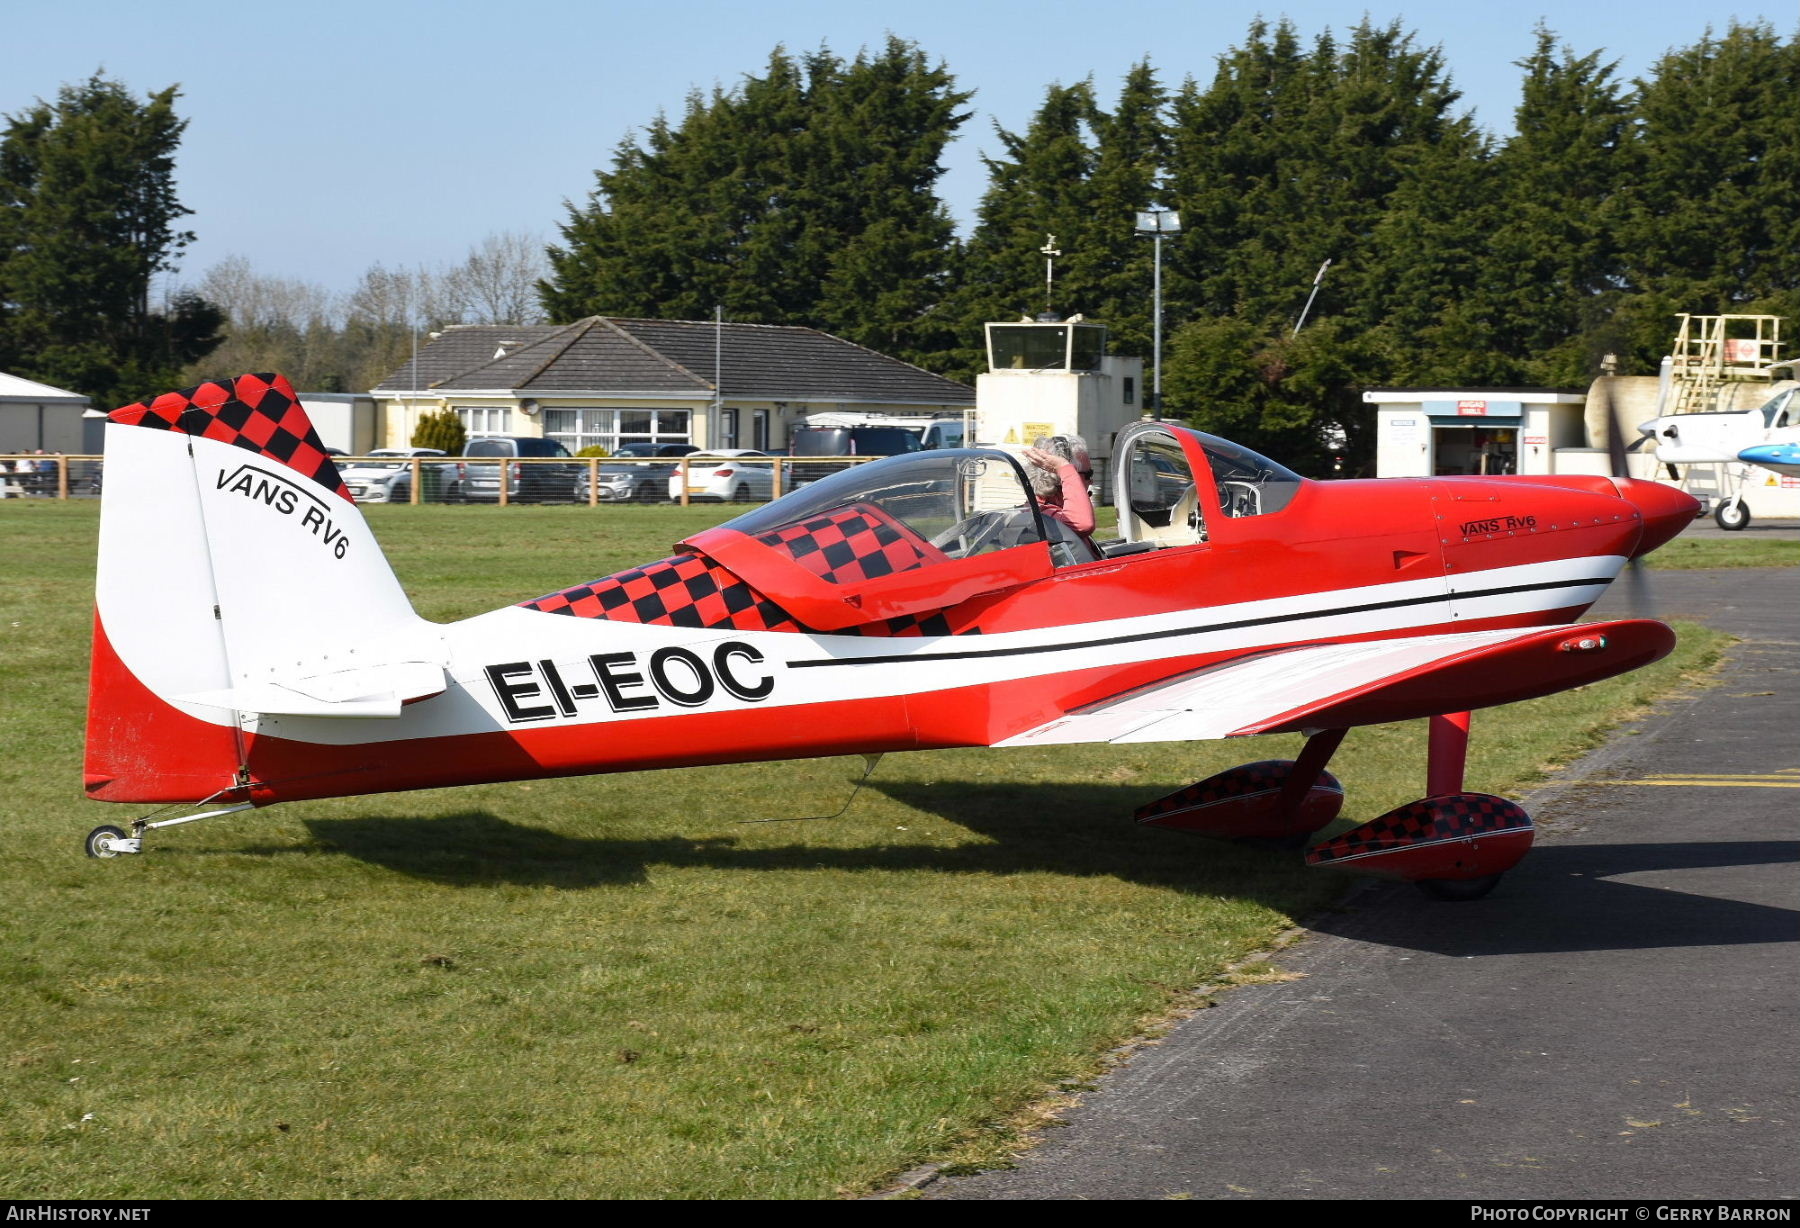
[607,354]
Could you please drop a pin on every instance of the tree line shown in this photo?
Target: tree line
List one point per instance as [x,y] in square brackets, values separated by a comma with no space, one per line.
[807,194]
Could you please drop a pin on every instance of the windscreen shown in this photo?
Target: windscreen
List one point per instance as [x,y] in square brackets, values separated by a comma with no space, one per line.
[957,503]
[1249,483]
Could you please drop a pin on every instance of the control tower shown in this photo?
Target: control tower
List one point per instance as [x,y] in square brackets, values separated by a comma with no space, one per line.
[1049,376]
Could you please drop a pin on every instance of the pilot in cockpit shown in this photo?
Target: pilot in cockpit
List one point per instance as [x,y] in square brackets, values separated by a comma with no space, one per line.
[1059,470]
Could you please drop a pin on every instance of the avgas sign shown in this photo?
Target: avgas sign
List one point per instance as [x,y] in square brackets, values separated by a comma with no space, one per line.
[630,683]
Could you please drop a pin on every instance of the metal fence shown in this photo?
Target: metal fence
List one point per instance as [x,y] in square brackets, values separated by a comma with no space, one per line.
[590,480]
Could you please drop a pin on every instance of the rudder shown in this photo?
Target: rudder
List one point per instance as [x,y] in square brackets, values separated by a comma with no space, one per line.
[232,563]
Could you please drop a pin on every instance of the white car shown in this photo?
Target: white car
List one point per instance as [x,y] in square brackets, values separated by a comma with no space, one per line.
[737,475]
[390,482]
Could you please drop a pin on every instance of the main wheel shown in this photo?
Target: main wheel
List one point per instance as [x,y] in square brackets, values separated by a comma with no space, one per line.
[1732,514]
[1458,888]
[99,842]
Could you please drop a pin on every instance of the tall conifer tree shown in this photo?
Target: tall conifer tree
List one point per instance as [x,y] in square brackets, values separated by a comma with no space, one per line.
[805,196]
[88,215]
[1710,221]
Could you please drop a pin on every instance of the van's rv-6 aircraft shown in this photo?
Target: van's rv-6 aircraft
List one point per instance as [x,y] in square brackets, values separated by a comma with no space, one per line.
[252,646]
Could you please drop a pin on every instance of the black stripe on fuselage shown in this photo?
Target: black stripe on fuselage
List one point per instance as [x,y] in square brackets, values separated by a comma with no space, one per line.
[1302,616]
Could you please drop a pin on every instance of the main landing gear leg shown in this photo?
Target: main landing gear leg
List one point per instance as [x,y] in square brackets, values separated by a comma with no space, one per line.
[1454,845]
[1307,770]
[1447,754]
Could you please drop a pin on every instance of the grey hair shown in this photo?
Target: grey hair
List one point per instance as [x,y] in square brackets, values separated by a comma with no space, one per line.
[1071,447]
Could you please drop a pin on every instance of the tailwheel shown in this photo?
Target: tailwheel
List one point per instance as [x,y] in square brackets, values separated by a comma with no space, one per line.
[1459,888]
[110,842]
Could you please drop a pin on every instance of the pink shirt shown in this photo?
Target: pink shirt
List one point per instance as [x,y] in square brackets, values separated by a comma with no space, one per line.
[1071,505]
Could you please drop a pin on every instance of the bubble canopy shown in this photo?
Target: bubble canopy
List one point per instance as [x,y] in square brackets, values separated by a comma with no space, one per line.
[962,502]
[899,536]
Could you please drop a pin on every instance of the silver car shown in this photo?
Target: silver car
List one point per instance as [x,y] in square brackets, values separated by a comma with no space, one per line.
[383,482]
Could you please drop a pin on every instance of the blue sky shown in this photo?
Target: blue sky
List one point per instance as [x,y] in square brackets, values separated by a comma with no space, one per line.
[327,135]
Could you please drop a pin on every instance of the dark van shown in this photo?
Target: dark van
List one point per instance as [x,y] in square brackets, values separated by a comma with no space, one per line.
[537,483]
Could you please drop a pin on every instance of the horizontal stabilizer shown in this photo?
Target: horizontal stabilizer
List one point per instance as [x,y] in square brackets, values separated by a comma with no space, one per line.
[1330,686]
[375,690]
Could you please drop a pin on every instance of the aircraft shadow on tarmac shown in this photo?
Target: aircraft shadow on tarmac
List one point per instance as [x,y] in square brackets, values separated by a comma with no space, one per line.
[1569,898]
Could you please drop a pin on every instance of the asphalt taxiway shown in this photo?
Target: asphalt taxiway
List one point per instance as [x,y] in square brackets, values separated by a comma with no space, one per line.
[1618,1020]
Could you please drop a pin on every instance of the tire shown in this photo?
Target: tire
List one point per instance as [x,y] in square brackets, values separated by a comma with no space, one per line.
[95,847]
[1732,515]
[740,493]
[1459,889]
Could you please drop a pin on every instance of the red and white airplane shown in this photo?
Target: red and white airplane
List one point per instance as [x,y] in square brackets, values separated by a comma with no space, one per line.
[252,646]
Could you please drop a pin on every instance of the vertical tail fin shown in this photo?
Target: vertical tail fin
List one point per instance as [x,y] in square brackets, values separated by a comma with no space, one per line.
[232,561]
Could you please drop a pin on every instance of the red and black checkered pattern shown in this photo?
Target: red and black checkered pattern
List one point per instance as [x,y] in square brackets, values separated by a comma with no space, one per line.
[689,590]
[850,544]
[1454,816]
[256,412]
[686,590]
[1264,776]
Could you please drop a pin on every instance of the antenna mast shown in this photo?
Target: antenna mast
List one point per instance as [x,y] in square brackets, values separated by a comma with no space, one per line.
[1050,252]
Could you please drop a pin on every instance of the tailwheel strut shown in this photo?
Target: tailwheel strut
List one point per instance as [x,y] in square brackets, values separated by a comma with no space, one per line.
[109,841]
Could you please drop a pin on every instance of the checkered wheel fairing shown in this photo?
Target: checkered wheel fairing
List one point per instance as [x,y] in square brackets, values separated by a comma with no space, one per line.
[259,413]
[1454,816]
[1265,776]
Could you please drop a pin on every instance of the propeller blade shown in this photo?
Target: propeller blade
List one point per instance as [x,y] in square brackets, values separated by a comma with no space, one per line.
[1637,585]
[1615,434]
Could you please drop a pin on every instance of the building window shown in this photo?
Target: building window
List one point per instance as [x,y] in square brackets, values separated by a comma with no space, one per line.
[728,428]
[480,420]
[759,429]
[576,429]
[1130,390]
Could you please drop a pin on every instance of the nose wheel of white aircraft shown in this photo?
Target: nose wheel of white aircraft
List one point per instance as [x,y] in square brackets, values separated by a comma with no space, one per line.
[1732,514]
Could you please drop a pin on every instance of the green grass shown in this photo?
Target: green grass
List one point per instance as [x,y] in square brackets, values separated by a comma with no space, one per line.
[608,987]
[1694,553]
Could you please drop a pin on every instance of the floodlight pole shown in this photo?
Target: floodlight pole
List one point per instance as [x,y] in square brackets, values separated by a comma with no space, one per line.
[1156,332]
[1153,224]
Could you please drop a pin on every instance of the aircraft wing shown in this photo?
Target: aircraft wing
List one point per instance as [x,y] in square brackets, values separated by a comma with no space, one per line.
[1329,686]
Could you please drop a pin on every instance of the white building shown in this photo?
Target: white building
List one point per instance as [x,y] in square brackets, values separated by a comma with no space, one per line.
[36,416]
